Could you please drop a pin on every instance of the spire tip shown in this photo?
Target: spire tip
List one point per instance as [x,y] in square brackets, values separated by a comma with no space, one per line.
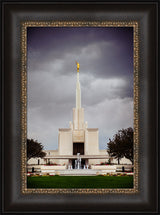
[77,66]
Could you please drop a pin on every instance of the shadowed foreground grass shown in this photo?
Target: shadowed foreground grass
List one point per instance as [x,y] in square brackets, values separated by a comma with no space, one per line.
[80,182]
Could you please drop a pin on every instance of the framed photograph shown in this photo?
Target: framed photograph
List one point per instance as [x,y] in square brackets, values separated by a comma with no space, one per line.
[78,152]
[62,68]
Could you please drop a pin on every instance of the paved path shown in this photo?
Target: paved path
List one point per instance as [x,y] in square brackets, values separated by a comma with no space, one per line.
[78,172]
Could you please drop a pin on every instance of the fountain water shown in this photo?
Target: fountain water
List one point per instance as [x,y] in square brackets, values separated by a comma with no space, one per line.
[78,162]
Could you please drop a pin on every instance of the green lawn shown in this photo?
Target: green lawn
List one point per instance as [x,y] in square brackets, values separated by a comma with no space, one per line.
[80,182]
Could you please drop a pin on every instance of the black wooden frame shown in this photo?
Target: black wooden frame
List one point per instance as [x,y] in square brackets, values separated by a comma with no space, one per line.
[13,14]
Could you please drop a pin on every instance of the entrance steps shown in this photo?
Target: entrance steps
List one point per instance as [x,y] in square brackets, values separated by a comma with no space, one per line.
[77,172]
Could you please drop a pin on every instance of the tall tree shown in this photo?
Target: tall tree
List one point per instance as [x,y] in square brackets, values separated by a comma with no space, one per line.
[122,145]
[34,149]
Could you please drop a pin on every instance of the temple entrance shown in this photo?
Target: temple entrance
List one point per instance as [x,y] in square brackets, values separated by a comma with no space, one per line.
[78,148]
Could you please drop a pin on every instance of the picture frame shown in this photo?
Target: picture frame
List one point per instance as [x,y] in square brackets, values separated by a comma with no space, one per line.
[14,128]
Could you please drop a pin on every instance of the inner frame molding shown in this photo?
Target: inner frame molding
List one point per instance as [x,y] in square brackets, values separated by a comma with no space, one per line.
[24,26]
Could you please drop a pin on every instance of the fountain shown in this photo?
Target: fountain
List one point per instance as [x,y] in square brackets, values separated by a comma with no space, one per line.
[78,162]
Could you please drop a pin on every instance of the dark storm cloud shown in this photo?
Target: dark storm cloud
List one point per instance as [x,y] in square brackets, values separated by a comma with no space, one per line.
[54,44]
[106,76]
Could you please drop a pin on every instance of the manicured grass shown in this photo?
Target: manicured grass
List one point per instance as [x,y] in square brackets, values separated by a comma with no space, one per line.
[80,182]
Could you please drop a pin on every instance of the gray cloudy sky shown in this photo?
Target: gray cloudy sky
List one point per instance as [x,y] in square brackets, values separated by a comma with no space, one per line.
[106,76]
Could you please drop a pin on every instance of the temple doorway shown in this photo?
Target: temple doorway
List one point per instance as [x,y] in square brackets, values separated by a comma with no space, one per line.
[78,148]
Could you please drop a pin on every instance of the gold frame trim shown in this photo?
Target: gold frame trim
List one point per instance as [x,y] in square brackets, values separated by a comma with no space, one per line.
[24,26]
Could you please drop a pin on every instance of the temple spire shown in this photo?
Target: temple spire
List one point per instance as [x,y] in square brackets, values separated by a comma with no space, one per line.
[78,89]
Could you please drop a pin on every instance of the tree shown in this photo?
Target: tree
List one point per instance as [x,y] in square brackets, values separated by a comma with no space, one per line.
[122,144]
[34,149]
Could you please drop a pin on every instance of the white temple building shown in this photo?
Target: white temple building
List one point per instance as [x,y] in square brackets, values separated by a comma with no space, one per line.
[77,139]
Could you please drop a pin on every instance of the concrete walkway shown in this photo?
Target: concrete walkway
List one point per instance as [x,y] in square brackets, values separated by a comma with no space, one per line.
[74,172]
